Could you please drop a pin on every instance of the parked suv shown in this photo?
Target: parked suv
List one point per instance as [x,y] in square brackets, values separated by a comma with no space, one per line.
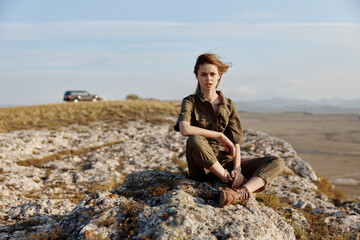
[76,95]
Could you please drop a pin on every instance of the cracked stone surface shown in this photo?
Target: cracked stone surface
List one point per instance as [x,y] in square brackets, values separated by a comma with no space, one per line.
[77,190]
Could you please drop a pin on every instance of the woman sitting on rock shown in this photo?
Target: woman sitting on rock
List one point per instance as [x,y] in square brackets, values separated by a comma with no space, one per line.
[213,126]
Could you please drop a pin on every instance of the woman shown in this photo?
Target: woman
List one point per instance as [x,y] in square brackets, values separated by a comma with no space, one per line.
[213,126]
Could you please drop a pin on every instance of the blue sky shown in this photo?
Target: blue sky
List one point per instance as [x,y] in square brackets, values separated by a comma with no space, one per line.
[307,49]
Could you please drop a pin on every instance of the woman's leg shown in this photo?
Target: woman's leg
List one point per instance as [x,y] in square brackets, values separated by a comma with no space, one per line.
[255,183]
[221,172]
[261,171]
[202,162]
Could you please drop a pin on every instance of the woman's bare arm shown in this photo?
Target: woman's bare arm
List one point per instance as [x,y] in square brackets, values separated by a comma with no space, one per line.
[236,172]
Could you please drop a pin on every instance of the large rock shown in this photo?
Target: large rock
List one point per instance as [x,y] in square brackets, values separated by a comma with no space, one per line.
[164,205]
[155,200]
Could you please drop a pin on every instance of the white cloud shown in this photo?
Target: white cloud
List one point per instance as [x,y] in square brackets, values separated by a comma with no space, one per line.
[296,82]
[329,32]
[53,30]
[245,90]
[156,54]
[306,83]
[53,59]
[260,15]
[240,89]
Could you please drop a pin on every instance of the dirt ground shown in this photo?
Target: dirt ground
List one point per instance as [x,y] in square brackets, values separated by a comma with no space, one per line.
[329,142]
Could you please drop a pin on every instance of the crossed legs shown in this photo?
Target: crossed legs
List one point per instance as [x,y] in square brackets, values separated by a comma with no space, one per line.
[204,165]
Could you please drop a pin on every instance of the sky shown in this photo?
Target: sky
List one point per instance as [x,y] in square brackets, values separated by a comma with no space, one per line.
[308,49]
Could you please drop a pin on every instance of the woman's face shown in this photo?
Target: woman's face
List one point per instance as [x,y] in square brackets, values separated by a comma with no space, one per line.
[208,77]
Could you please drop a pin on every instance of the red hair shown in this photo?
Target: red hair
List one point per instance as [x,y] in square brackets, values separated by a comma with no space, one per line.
[211,58]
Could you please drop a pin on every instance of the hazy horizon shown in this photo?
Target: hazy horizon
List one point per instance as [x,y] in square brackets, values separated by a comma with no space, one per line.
[278,49]
[334,105]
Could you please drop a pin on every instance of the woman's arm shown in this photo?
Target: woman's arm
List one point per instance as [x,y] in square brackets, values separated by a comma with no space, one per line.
[187,130]
[236,173]
[237,158]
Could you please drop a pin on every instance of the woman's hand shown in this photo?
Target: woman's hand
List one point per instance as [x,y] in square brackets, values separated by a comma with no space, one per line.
[227,144]
[238,178]
[226,178]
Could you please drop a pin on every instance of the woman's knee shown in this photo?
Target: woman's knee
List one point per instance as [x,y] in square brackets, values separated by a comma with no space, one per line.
[196,141]
[272,169]
[279,164]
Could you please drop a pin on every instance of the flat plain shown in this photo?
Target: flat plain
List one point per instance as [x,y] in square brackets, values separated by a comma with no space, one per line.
[329,142]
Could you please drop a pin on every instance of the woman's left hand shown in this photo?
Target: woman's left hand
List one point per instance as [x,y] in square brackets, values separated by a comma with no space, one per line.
[238,178]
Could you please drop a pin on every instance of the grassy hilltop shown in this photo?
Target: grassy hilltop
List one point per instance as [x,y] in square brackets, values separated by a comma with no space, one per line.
[53,116]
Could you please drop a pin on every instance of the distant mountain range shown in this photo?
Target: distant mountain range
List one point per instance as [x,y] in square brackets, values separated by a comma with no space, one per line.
[5,105]
[333,105]
[297,105]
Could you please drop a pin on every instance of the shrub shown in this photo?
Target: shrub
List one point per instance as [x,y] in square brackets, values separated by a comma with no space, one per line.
[132,97]
[328,189]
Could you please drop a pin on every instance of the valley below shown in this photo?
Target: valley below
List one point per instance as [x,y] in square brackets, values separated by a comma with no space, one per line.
[329,142]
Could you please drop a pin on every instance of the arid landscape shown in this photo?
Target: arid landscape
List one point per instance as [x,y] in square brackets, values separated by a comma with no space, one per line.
[329,142]
[117,169]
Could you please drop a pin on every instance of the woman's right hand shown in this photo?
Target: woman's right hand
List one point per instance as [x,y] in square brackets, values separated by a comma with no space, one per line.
[227,144]
[238,178]
[226,178]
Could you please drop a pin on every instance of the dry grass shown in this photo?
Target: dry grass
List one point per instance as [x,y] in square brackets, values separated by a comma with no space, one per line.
[75,197]
[108,186]
[181,164]
[54,116]
[159,189]
[55,233]
[270,200]
[128,226]
[38,162]
[328,189]
[318,229]
[29,226]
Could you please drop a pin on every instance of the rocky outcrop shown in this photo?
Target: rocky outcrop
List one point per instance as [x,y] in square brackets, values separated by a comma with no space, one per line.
[113,181]
[164,205]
